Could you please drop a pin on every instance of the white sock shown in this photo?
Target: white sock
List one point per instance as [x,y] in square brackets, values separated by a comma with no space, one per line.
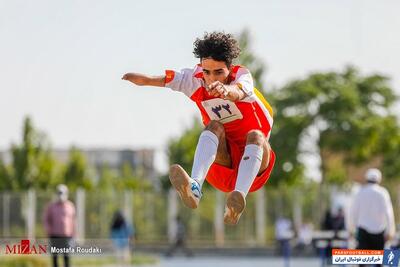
[205,154]
[249,167]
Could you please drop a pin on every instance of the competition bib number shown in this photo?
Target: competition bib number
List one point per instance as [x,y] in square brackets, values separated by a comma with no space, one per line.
[222,110]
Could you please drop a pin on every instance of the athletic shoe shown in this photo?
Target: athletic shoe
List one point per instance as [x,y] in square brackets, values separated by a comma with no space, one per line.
[188,189]
[235,204]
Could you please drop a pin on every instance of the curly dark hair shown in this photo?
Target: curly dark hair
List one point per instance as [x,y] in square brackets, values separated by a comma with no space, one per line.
[219,46]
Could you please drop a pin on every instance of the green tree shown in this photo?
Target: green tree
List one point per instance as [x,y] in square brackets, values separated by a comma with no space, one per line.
[5,177]
[76,171]
[32,162]
[128,180]
[49,170]
[351,114]
[107,178]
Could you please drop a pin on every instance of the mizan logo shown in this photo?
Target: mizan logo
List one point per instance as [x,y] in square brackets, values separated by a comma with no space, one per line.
[25,247]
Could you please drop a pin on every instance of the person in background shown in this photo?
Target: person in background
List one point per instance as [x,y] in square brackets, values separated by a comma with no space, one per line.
[121,235]
[283,234]
[180,239]
[338,221]
[371,216]
[59,223]
[327,223]
[305,236]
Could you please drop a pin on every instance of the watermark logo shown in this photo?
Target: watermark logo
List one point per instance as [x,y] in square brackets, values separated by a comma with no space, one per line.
[360,256]
[25,247]
[55,246]
[391,257]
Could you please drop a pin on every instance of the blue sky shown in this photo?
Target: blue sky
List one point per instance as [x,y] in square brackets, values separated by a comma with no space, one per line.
[61,61]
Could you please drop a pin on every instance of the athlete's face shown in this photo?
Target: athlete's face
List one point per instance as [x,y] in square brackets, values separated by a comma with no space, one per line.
[214,71]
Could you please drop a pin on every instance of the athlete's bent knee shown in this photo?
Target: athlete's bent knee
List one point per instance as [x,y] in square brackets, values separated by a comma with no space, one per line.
[216,127]
[255,137]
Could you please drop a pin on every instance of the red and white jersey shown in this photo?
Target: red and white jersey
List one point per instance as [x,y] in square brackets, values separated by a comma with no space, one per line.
[251,113]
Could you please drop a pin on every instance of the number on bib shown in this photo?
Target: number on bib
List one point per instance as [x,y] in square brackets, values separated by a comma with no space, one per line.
[222,110]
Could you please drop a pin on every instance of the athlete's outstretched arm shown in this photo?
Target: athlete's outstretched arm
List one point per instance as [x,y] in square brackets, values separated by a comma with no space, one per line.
[142,79]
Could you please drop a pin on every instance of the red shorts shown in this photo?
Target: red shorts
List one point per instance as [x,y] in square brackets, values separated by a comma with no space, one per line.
[224,178]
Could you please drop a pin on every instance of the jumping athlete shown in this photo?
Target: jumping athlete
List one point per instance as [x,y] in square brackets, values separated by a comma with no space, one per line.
[233,153]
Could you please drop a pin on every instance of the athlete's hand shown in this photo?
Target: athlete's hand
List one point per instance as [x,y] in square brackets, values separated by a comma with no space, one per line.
[135,78]
[218,89]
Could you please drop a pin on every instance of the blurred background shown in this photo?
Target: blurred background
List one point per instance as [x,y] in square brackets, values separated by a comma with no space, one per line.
[330,70]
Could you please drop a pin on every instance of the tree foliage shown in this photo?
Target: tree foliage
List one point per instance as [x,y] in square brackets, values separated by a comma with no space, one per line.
[76,171]
[353,118]
[33,165]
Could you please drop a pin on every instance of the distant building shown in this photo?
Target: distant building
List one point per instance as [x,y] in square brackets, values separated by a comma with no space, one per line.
[140,160]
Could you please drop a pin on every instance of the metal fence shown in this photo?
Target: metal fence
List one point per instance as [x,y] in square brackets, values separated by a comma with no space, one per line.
[153,214]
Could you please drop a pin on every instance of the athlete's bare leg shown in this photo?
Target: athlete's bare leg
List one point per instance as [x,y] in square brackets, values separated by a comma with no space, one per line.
[223,157]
